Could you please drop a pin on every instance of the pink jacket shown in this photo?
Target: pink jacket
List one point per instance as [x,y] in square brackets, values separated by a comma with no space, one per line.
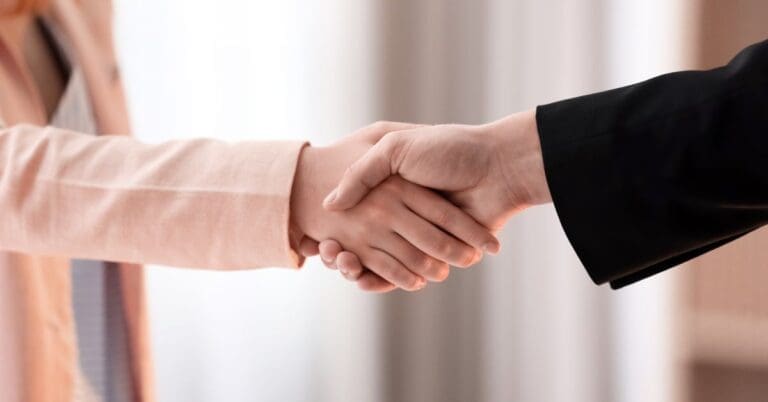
[198,203]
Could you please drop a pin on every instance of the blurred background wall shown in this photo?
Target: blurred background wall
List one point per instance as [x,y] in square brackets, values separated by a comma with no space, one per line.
[527,325]
[724,301]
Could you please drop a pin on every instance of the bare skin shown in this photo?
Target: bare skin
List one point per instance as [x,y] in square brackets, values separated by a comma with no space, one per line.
[491,171]
[400,231]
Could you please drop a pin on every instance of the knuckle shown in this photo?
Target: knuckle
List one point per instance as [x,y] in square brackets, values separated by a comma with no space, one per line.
[425,263]
[407,280]
[392,138]
[442,217]
[422,264]
[435,270]
[384,127]
[448,249]
[402,277]
[394,146]
[381,125]
[441,249]
[479,236]
[466,257]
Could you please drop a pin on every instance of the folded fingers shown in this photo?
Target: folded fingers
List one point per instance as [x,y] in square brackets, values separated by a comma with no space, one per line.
[349,265]
[329,251]
[414,259]
[392,270]
[371,282]
[434,242]
[452,219]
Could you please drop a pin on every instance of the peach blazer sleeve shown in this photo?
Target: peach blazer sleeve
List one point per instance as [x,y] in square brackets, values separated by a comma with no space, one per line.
[194,203]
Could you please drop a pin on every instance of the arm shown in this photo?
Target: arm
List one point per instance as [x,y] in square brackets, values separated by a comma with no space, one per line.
[189,203]
[465,162]
[643,178]
[415,226]
[651,175]
[206,203]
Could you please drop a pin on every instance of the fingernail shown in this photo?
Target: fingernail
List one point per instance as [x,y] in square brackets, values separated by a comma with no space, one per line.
[330,198]
[344,272]
[421,283]
[491,248]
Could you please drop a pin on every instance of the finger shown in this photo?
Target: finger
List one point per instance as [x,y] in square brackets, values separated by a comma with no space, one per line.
[370,282]
[329,264]
[349,265]
[436,209]
[308,247]
[329,250]
[415,260]
[434,242]
[392,270]
[363,175]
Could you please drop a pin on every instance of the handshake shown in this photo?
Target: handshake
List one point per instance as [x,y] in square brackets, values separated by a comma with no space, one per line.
[394,204]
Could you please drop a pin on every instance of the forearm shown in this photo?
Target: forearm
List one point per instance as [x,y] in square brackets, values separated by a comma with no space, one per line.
[196,203]
[648,176]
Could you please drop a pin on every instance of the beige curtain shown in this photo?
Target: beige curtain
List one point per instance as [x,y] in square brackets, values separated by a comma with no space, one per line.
[527,325]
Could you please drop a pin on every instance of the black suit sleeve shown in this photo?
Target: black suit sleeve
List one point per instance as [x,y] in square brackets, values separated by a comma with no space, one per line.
[648,176]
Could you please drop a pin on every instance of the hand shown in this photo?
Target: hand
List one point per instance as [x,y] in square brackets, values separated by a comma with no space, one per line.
[492,171]
[398,231]
[348,263]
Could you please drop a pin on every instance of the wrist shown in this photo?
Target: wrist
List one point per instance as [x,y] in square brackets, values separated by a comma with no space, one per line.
[304,191]
[519,159]
[318,171]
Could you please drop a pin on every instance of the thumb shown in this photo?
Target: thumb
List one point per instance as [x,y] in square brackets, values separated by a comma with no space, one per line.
[365,174]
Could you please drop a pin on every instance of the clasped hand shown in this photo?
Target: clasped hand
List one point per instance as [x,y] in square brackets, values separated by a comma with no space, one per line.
[394,204]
